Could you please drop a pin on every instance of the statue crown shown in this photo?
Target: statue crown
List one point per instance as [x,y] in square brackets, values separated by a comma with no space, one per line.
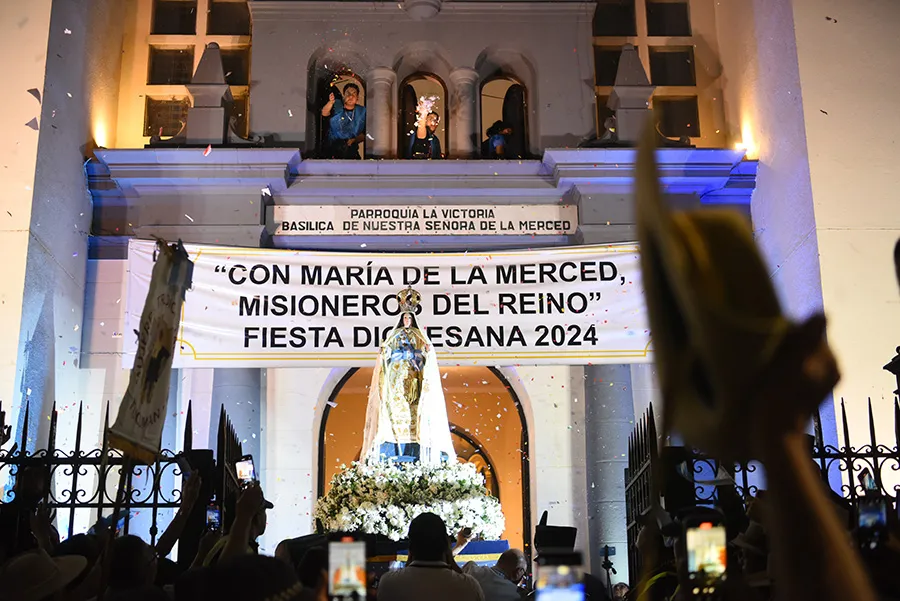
[409,299]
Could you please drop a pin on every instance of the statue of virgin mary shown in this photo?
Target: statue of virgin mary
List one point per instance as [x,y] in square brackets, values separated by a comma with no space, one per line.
[406,417]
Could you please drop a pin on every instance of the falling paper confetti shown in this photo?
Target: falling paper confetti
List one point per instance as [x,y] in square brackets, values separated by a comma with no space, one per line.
[67,31]
[33,124]
[189,217]
[370,137]
[206,153]
[290,114]
[36,93]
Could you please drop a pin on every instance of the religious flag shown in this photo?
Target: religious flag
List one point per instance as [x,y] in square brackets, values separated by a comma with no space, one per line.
[137,430]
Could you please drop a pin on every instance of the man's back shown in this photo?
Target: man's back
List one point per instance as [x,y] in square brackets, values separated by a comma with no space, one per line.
[428,581]
[494,585]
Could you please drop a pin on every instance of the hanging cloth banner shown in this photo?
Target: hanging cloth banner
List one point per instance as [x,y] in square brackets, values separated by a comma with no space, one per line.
[137,431]
[267,308]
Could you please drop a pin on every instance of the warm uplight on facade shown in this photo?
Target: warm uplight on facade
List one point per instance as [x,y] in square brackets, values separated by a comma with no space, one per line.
[748,142]
[100,132]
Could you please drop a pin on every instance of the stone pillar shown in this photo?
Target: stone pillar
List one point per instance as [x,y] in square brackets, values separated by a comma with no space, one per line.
[238,390]
[380,113]
[464,133]
[608,421]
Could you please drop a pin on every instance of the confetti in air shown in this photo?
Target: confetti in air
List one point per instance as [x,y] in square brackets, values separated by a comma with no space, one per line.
[189,217]
[207,151]
[67,31]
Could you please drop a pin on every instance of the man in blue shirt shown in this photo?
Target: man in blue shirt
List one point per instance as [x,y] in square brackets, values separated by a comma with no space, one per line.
[346,124]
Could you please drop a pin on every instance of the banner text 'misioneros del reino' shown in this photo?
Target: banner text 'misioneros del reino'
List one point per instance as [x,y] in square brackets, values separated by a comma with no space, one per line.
[269,308]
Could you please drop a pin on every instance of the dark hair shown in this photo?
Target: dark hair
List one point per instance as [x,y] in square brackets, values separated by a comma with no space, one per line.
[415,324]
[253,578]
[497,127]
[428,538]
[309,570]
[351,85]
[435,113]
[129,562]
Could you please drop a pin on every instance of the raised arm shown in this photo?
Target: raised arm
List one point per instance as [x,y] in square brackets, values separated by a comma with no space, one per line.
[814,557]
[326,110]
[189,493]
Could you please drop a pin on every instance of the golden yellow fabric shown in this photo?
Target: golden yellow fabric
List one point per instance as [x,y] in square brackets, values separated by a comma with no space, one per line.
[401,384]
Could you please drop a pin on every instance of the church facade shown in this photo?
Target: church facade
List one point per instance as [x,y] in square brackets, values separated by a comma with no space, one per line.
[210,131]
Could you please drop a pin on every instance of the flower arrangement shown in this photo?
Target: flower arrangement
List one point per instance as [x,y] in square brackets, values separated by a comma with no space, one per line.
[384,497]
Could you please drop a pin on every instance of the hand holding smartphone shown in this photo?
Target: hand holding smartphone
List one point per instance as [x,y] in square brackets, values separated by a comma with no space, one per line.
[245,470]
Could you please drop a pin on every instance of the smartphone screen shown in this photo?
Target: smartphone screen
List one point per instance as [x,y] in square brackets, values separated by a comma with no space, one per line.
[246,471]
[347,569]
[560,583]
[706,550]
[213,518]
[872,515]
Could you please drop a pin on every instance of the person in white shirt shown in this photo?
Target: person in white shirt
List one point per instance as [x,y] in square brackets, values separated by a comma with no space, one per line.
[429,575]
[501,582]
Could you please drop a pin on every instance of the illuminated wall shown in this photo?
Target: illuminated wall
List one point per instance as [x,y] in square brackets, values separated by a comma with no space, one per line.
[808,89]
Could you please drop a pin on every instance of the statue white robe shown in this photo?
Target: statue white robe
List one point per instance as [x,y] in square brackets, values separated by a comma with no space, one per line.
[433,429]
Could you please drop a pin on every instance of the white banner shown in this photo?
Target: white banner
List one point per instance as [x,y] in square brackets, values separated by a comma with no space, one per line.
[267,308]
[431,220]
[137,430]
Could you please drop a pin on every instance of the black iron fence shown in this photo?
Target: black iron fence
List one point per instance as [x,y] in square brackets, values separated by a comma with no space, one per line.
[679,476]
[83,483]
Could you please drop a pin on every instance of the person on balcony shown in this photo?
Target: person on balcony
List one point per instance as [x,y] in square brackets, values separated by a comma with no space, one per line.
[497,140]
[346,124]
[425,144]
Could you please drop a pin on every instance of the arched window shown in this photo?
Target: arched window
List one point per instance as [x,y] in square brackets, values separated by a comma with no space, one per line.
[413,88]
[503,99]
[329,82]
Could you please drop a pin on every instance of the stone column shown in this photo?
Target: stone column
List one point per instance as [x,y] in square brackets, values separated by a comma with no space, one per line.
[380,113]
[464,132]
[608,421]
[238,390]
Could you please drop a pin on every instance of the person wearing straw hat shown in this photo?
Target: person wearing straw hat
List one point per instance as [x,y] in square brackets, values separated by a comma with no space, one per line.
[34,575]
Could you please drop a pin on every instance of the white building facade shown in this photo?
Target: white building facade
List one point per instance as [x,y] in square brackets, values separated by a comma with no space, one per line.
[737,84]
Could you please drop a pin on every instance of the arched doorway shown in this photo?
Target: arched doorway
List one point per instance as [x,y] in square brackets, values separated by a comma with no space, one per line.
[503,98]
[488,425]
[414,87]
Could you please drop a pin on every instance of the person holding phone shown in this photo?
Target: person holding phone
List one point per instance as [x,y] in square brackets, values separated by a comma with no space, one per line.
[249,524]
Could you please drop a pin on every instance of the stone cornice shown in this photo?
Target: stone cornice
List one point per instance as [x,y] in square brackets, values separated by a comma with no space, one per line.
[714,175]
[192,167]
[276,10]
[682,170]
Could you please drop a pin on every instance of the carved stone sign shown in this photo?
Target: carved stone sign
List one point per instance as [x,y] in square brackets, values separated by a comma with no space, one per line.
[427,220]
